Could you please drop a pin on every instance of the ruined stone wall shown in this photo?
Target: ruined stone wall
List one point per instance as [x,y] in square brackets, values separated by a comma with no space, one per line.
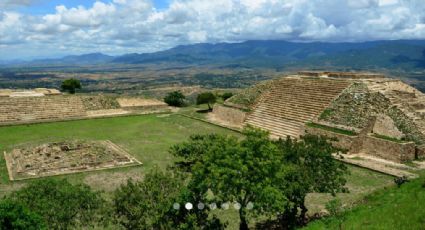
[357,105]
[420,152]
[248,97]
[342,141]
[385,126]
[230,115]
[100,102]
[17,110]
[389,150]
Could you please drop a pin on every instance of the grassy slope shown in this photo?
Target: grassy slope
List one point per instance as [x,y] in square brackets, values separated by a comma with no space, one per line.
[360,182]
[391,208]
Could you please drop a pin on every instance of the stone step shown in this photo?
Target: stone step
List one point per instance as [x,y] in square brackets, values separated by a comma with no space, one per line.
[40,108]
[280,131]
[291,102]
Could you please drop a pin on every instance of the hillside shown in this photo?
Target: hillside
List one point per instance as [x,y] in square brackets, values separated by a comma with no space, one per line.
[282,54]
[390,208]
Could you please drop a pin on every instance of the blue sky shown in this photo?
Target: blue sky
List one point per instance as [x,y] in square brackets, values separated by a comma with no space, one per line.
[45,6]
[42,28]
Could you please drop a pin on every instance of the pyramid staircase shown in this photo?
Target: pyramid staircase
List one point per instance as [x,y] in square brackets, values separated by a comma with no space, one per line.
[293,101]
[29,109]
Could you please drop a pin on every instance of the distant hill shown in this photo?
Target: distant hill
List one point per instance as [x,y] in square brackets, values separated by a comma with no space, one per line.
[280,54]
[85,59]
[399,54]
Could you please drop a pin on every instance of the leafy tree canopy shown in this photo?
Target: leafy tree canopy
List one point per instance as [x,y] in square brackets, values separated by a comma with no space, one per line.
[265,177]
[206,98]
[14,215]
[70,85]
[226,95]
[61,204]
[150,204]
[175,98]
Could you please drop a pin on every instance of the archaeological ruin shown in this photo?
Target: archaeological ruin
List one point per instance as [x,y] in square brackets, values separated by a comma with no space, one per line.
[367,113]
[66,157]
[42,105]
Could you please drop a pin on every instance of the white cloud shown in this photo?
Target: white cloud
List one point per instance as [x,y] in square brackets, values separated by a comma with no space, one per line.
[387,2]
[11,3]
[121,26]
[362,4]
[197,36]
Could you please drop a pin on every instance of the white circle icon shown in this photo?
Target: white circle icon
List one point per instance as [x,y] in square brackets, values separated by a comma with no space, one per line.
[250,205]
[188,206]
[176,206]
[225,206]
[213,206]
[201,206]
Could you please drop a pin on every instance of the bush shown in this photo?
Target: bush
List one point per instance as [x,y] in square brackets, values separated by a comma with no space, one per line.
[61,204]
[206,98]
[175,98]
[400,180]
[70,85]
[14,215]
[226,95]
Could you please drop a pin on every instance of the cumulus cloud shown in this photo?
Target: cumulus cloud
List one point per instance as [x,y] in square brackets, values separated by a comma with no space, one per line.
[120,26]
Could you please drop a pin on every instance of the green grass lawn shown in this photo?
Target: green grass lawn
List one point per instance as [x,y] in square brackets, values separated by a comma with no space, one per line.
[196,111]
[148,138]
[390,208]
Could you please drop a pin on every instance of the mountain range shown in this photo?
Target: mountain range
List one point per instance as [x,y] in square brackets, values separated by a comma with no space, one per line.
[400,54]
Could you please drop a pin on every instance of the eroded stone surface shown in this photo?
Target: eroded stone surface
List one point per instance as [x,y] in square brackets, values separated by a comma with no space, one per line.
[65,157]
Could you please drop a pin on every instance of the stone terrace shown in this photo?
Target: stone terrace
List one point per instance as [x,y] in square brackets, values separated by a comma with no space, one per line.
[293,101]
[46,105]
[45,108]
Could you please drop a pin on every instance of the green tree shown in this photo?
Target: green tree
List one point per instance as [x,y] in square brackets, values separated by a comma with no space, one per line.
[245,172]
[150,204]
[312,169]
[14,215]
[226,95]
[175,98]
[143,205]
[206,98]
[265,177]
[61,204]
[70,85]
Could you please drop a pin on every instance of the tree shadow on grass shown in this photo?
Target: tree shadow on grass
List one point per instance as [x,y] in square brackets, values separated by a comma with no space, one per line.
[204,110]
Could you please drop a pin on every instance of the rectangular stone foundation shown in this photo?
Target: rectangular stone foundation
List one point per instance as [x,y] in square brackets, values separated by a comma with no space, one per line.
[66,158]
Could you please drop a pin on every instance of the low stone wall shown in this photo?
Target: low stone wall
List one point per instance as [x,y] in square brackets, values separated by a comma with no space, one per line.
[420,152]
[389,150]
[343,141]
[229,115]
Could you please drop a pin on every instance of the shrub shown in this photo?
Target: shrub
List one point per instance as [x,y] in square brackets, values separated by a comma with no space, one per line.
[175,98]
[206,98]
[400,180]
[14,215]
[61,204]
[226,95]
[70,85]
